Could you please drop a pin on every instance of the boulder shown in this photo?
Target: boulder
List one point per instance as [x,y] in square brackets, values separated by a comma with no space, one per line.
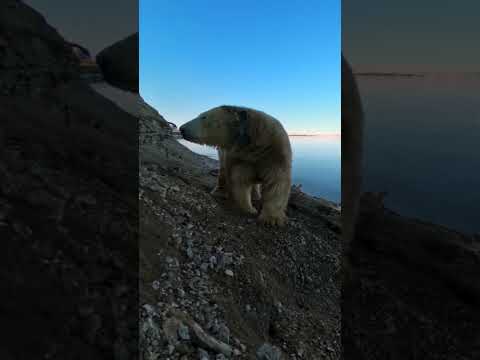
[119,63]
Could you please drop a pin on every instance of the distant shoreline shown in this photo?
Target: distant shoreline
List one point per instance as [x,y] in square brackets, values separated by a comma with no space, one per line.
[179,136]
[388,74]
[315,135]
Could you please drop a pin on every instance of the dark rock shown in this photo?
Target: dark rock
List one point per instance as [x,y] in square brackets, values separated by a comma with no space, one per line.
[269,352]
[224,334]
[183,332]
[203,355]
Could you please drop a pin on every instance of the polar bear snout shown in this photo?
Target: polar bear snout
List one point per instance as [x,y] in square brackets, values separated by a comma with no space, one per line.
[183,132]
[190,131]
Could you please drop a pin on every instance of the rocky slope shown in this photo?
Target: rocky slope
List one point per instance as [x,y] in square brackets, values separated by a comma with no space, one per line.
[253,292]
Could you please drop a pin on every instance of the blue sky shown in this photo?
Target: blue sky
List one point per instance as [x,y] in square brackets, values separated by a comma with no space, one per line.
[281,57]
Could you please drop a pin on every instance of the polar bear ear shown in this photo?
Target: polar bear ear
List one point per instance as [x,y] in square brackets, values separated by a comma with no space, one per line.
[243,137]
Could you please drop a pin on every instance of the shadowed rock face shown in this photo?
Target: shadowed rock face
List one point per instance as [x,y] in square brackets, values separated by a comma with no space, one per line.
[33,56]
[68,194]
[119,63]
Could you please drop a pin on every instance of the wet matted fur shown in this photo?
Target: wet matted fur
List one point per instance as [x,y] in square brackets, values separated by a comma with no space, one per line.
[254,149]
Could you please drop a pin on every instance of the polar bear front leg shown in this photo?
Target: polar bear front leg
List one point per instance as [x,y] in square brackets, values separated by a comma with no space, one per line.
[221,189]
[275,194]
[256,192]
[241,183]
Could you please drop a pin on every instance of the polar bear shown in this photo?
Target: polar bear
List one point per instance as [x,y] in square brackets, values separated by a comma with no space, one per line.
[254,149]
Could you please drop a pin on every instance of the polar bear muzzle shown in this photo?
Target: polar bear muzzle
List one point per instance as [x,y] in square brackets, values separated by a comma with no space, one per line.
[222,126]
[191,130]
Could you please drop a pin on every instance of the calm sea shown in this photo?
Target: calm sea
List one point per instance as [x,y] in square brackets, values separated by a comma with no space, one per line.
[316,164]
[423,146]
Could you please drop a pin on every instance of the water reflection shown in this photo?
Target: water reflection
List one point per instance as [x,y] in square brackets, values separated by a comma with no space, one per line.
[422,146]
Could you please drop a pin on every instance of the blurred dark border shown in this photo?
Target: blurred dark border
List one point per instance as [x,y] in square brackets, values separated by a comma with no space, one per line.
[68,181]
[411,285]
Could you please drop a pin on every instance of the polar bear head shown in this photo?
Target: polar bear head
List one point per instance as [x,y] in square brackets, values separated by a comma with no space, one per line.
[224,126]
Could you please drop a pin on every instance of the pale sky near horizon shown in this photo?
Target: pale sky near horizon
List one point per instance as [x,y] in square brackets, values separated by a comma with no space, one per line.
[281,57]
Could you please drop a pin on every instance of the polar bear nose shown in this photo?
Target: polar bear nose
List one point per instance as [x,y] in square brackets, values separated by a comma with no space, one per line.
[185,133]
[183,130]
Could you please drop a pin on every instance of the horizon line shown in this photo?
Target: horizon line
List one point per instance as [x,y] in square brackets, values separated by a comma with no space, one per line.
[358,70]
[314,133]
